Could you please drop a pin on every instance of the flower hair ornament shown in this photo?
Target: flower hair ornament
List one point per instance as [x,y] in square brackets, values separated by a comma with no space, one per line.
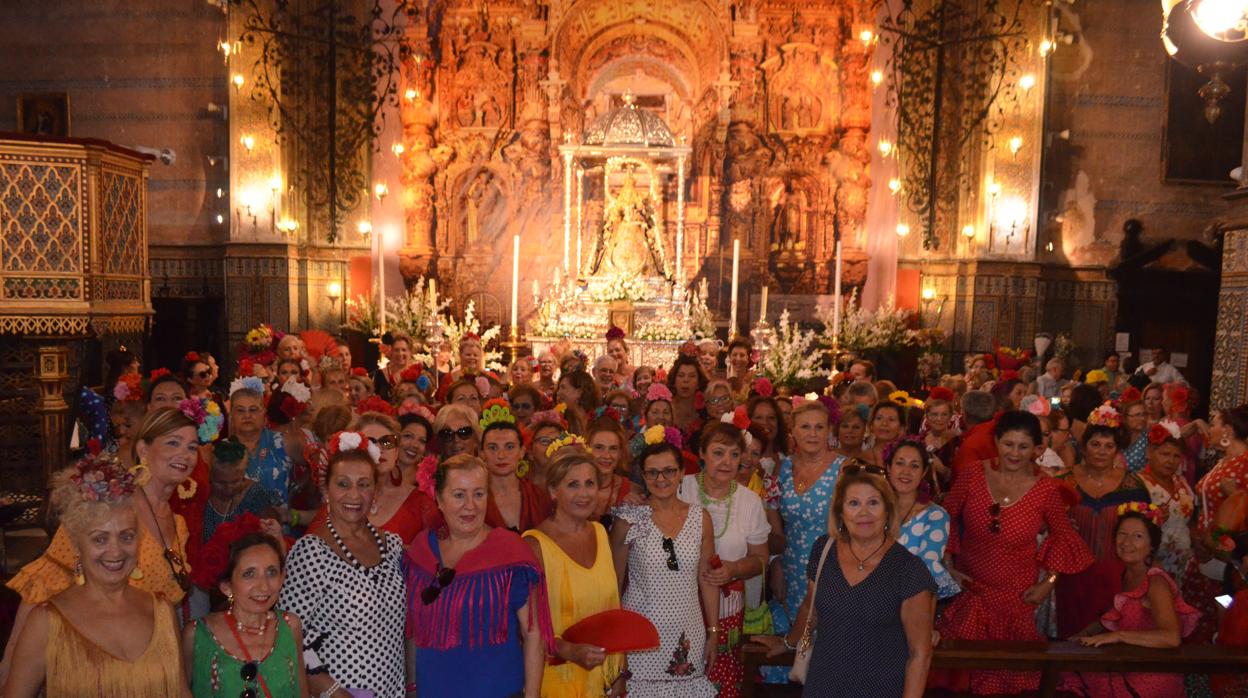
[614,333]
[1105,416]
[763,387]
[496,410]
[418,410]
[482,385]
[565,439]
[252,383]
[1035,405]
[658,391]
[206,414]
[213,557]
[344,441]
[102,478]
[1096,376]
[129,388]
[903,398]
[1179,396]
[940,393]
[359,371]
[1160,432]
[295,398]
[192,357]
[548,417]
[659,433]
[739,419]
[426,476]
[689,349]
[373,403]
[608,411]
[1152,512]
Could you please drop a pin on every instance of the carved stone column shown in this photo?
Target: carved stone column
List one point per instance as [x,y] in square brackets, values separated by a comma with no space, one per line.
[52,374]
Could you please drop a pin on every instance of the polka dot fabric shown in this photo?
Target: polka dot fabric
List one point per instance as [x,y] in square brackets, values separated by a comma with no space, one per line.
[860,644]
[925,535]
[360,611]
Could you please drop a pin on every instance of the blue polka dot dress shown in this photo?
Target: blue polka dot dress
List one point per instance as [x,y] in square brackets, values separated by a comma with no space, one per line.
[925,535]
[860,648]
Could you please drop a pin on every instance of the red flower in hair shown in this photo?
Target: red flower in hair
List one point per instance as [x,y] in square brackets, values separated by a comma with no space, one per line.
[940,393]
[411,373]
[470,337]
[359,371]
[372,403]
[1179,395]
[246,368]
[209,563]
[740,418]
[291,407]
[1131,394]
[191,356]
[1158,434]
[763,387]
[615,333]
[689,349]
[660,375]
[159,373]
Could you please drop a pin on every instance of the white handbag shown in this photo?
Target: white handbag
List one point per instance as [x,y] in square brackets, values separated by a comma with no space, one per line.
[801,662]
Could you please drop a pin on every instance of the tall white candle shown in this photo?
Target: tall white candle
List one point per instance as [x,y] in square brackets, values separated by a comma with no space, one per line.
[380,237]
[515,281]
[762,316]
[736,270]
[836,294]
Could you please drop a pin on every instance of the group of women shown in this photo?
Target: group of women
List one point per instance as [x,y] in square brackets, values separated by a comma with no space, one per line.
[481,539]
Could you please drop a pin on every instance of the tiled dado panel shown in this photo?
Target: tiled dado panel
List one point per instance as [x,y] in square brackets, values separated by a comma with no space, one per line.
[1230,347]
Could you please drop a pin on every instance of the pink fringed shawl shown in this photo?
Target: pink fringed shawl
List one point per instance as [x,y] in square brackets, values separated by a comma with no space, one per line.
[482,584]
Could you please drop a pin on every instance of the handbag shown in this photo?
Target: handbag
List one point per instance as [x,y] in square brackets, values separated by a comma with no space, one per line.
[801,661]
[758,619]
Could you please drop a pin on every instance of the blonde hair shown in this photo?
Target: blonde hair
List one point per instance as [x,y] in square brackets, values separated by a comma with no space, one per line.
[811,406]
[563,462]
[378,419]
[159,422]
[462,462]
[456,410]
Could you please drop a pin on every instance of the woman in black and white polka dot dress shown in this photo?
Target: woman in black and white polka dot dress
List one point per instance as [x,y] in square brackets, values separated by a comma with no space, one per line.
[344,579]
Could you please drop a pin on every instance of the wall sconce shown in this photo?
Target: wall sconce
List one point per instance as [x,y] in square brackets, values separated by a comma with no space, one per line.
[214,160]
[410,94]
[397,148]
[1220,19]
[929,316]
[866,35]
[1012,218]
[894,185]
[248,142]
[885,147]
[288,226]
[1016,144]
[238,81]
[994,189]
[968,231]
[1027,82]
[1045,47]
[364,227]
[249,201]
[877,77]
[902,230]
[380,190]
[333,291]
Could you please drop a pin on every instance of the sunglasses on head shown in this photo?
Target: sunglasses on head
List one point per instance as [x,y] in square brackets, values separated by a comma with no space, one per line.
[462,433]
[855,468]
[441,580]
[387,443]
[669,547]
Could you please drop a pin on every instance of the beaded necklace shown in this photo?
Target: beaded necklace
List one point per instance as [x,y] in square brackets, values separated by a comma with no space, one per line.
[346,552]
[707,501]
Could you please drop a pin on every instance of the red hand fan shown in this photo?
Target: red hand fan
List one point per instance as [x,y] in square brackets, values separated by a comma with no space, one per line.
[617,630]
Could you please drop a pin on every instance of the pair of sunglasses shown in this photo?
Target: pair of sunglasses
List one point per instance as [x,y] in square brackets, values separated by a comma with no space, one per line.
[462,433]
[441,580]
[249,672]
[669,547]
[203,374]
[994,510]
[178,568]
[856,468]
[389,442]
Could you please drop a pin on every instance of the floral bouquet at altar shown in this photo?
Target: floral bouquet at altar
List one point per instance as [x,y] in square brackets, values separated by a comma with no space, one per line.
[789,357]
[701,320]
[885,328]
[416,312]
[363,316]
[453,332]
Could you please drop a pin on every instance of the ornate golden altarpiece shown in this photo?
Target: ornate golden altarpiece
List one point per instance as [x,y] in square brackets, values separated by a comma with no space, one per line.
[73,266]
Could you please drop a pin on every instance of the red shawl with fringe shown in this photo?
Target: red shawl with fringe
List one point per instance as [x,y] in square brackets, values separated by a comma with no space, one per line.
[482,584]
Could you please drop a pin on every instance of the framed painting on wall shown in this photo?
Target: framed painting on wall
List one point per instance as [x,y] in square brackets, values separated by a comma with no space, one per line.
[43,114]
[1195,151]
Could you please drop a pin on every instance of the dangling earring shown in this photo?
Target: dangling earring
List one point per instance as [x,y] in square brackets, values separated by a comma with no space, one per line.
[137,573]
[1225,442]
[230,598]
[79,578]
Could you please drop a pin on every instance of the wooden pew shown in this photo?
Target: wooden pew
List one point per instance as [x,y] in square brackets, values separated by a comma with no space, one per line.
[1050,659]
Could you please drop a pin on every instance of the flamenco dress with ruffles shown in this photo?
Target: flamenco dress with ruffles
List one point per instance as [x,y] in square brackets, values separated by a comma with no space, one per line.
[1001,566]
[1129,613]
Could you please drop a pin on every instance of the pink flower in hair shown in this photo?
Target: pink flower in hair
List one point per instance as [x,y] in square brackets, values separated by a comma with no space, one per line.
[658,391]
[483,385]
[425,471]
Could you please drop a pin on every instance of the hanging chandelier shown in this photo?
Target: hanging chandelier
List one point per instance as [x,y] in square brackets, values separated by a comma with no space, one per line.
[1210,36]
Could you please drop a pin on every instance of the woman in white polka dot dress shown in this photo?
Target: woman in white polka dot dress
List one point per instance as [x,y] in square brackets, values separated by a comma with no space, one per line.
[922,527]
[345,581]
[660,549]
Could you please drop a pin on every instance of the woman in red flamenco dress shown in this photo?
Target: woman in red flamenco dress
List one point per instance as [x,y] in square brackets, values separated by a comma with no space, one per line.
[998,508]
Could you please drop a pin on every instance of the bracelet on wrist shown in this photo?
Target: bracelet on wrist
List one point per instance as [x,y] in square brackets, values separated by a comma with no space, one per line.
[787,646]
[712,629]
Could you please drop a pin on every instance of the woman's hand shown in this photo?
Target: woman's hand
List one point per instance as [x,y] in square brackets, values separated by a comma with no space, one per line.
[774,644]
[719,576]
[585,656]
[1038,592]
[711,651]
[1099,640]
[272,528]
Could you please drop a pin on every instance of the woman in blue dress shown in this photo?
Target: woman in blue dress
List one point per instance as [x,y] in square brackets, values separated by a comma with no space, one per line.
[802,493]
[1135,423]
[922,526]
[477,610]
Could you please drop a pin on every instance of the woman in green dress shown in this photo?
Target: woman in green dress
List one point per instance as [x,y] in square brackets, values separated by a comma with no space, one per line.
[249,649]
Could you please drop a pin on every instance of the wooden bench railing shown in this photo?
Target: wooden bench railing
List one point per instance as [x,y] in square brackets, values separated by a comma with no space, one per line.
[1050,659]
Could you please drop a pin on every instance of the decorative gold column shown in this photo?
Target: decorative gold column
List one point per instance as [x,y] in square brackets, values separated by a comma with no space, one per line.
[680,225]
[567,210]
[52,373]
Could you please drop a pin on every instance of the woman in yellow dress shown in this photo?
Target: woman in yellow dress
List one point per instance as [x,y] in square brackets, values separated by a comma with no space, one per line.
[166,448]
[101,636]
[580,577]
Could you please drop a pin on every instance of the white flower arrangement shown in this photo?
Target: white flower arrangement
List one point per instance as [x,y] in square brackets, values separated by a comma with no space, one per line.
[416,312]
[297,390]
[362,316]
[701,320]
[788,354]
[453,332]
[863,330]
[620,288]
